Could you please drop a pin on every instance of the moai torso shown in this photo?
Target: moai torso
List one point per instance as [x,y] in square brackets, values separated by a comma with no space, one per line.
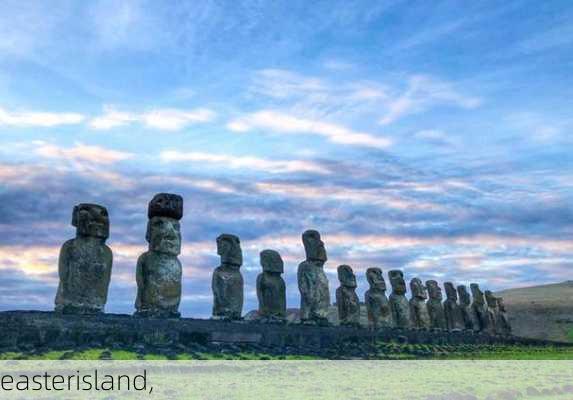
[271,290]
[418,309]
[84,264]
[478,308]
[452,310]
[347,300]
[227,282]
[377,304]
[399,305]
[492,312]
[312,281]
[503,324]
[435,306]
[159,271]
[465,307]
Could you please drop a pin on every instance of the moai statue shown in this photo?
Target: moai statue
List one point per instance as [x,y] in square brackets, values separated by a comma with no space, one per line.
[271,290]
[492,312]
[503,324]
[418,309]
[312,281]
[84,265]
[452,310]
[465,307]
[377,304]
[478,307]
[227,283]
[159,271]
[435,306]
[346,298]
[398,302]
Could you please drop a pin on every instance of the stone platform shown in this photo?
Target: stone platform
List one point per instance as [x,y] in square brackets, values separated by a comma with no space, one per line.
[31,330]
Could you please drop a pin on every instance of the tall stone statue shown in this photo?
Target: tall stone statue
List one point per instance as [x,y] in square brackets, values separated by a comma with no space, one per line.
[346,298]
[435,306]
[271,291]
[377,304]
[479,311]
[227,282]
[159,271]
[492,312]
[418,309]
[398,302]
[465,307]
[312,281]
[84,265]
[452,310]
[504,327]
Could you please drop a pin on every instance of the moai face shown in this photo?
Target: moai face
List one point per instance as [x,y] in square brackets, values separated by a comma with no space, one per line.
[477,294]
[164,235]
[490,299]
[229,248]
[91,220]
[271,261]
[346,276]
[451,293]
[500,304]
[375,278]
[397,281]
[434,291]
[313,246]
[465,298]
[418,289]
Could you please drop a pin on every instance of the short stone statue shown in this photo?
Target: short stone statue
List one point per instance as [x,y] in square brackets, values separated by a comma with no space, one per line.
[84,264]
[377,304]
[465,307]
[478,307]
[492,311]
[452,310]
[503,324]
[435,306]
[398,302]
[271,291]
[227,282]
[347,300]
[312,281]
[159,271]
[418,309]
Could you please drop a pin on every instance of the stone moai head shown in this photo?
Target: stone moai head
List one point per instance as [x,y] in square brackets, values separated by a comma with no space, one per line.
[490,299]
[397,281]
[271,261]
[500,304]
[346,276]
[313,246]
[375,278]
[477,294]
[434,290]
[163,228]
[229,248]
[91,220]
[418,289]
[465,299]
[451,293]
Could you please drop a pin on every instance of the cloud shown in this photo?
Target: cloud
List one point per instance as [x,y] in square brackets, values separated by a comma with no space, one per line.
[238,162]
[38,119]
[81,152]
[284,123]
[112,119]
[161,119]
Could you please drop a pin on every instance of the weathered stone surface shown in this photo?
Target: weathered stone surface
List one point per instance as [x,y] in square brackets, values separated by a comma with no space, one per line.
[84,264]
[271,291]
[377,304]
[227,283]
[492,311]
[159,271]
[418,309]
[465,307]
[398,303]
[504,327]
[347,300]
[312,281]
[435,306]
[479,311]
[452,310]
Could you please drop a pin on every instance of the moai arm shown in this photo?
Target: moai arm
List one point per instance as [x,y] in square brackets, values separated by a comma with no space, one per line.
[140,279]
[259,290]
[107,274]
[63,261]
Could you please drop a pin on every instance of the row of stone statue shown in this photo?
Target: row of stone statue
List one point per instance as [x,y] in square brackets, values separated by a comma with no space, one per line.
[85,264]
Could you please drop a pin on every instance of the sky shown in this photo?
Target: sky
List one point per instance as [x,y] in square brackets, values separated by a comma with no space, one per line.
[433,137]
